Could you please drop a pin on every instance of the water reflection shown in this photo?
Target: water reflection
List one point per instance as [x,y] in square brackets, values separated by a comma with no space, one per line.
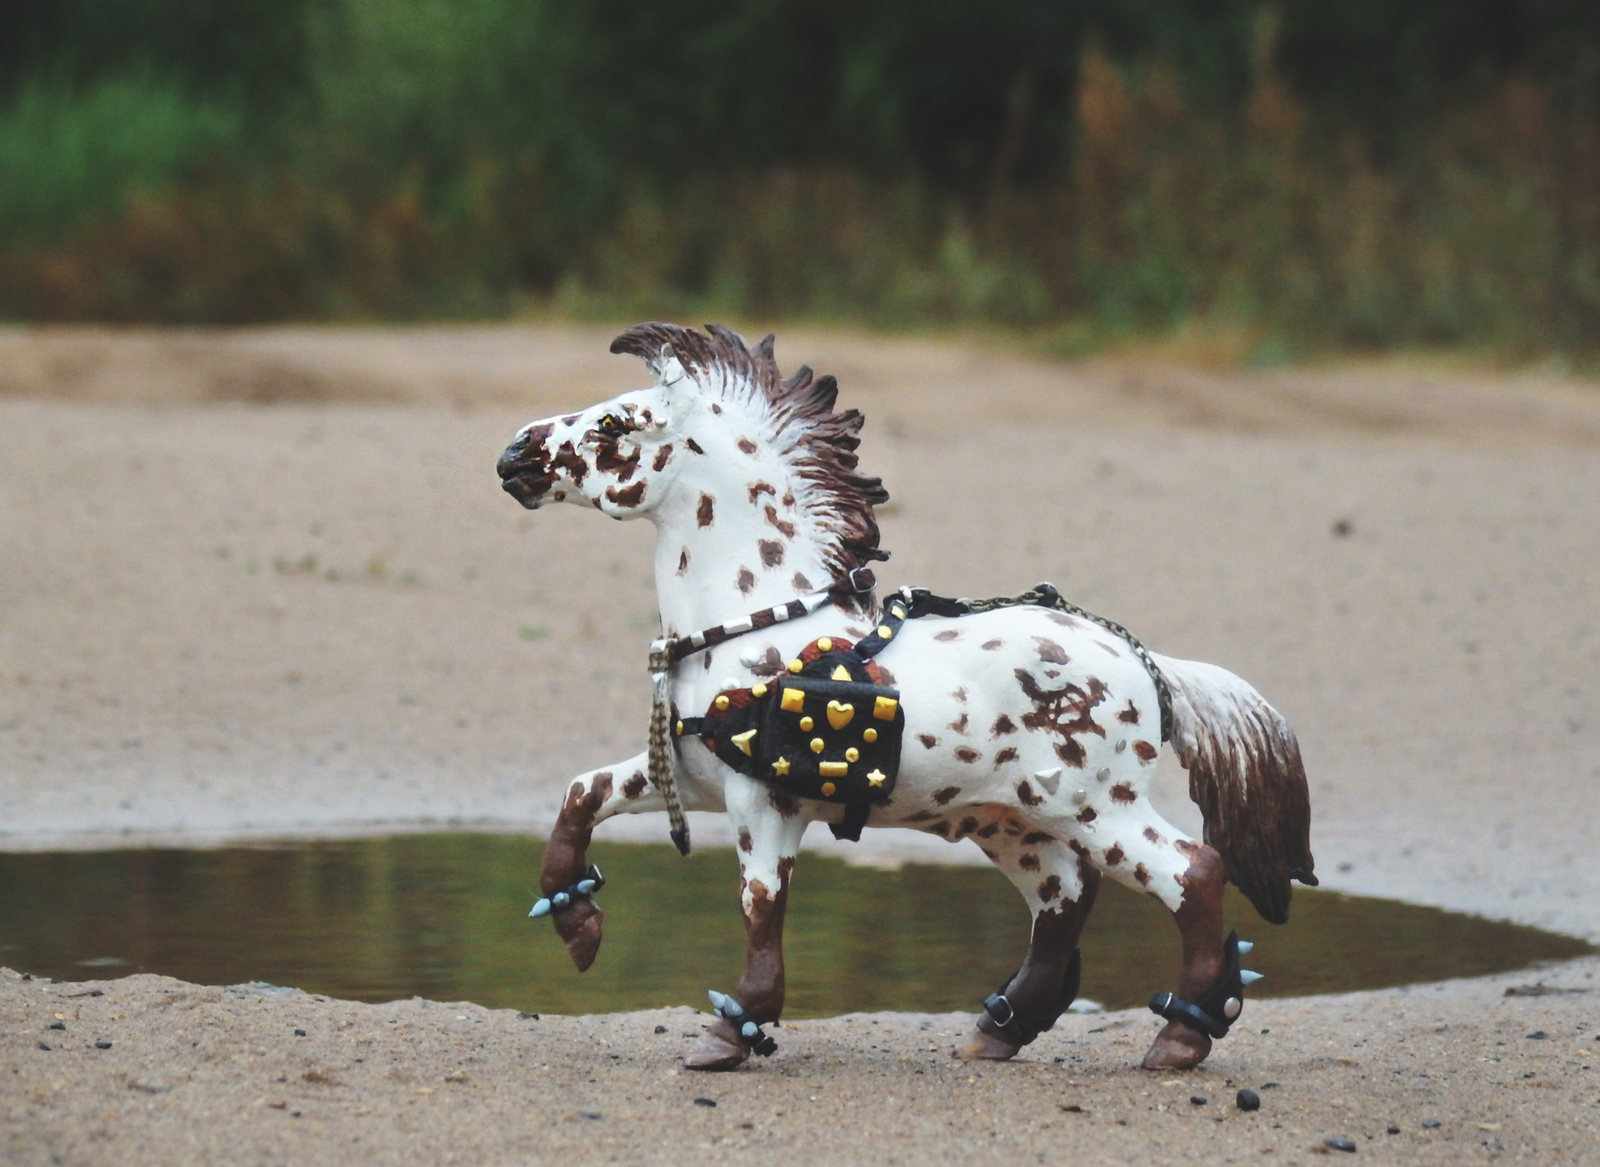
[443,916]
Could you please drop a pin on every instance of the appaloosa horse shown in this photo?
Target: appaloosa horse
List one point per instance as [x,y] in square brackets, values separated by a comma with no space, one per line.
[1031,728]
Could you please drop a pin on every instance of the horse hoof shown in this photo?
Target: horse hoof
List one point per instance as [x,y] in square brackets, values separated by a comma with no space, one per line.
[987,1047]
[1177,1047]
[718,1048]
[579,927]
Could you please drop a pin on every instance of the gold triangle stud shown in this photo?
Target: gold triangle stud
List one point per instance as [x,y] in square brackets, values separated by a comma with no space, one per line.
[743,740]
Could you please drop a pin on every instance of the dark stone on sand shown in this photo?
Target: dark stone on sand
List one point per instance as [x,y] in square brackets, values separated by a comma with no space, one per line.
[1430,1124]
[1247,1100]
[1197,1100]
[661,1029]
[1340,1145]
[107,1045]
[299,1033]
[1537,1035]
[527,1016]
[704,1102]
[58,1025]
[592,1115]
[44,1047]
[1394,1130]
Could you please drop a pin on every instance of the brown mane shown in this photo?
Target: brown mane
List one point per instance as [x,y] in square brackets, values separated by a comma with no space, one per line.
[821,444]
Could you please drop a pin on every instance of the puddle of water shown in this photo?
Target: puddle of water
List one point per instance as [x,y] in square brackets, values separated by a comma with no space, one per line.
[444,916]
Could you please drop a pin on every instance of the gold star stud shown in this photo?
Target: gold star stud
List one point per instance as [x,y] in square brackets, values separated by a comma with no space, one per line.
[876,778]
[781,767]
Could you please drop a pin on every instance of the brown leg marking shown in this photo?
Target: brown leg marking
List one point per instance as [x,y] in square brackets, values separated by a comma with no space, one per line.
[1037,985]
[565,861]
[1199,919]
[762,987]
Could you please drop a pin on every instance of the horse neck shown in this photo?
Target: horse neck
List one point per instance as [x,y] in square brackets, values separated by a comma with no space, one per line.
[719,553]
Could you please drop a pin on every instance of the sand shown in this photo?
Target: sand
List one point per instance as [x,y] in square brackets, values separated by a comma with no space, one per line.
[264,584]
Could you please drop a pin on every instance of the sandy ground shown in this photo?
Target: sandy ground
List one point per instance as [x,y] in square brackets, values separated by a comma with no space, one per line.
[264,583]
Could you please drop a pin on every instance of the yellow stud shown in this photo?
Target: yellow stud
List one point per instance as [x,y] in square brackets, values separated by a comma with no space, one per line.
[794,700]
[805,724]
[850,755]
[816,745]
[796,665]
[885,631]
[876,777]
[840,673]
[825,644]
[781,767]
[758,691]
[869,735]
[827,789]
[884,708]
[839,714]
[832,769]
[680,729]
[743,740]
[721,702]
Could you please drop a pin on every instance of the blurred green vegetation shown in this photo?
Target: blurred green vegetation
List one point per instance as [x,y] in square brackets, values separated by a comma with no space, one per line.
[1303,174]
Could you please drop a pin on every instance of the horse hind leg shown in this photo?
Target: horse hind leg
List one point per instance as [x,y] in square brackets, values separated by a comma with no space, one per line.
[1060,890]
[1134,845]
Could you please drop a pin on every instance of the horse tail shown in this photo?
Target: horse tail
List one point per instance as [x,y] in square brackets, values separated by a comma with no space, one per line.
[1246,776]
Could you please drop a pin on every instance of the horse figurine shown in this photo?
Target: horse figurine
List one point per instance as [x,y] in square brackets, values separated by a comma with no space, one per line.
[1030,727]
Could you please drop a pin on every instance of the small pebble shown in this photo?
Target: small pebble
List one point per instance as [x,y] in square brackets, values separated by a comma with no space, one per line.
[1537,1035]
[592,1115]
[299,1033]
[661,1029]
[1269,1085]
[704,1102]
[44,1047]
[1247,1100]
[1430,1124]
[527,1016]
[1197,1100]
[58,1025]
[1340,1145]
[102,1045]
[1394,1130]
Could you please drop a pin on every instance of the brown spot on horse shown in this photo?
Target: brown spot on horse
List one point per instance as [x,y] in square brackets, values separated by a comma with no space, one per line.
[989,831]
[784,526]
[1115,855]
[1050,888]
[1088,814]
[747,445]
[706,512]
[1154,836]
[771,552]
[941,828]
[630,496]
[1123,792]
[1130,715]
[663,456]
[948,634]
[1147,752]
[1142,874]
[960,724]
[1029,862]
[1066,711]
[683,561]
[1025,794]
[1050,652]
[967,754]
[1002,724]
[799,582]
[1034,838]
[746,581]
[960,694]
[608,461]
[634,786]
[1009,754]
[991,645]
[693,445]
[966,826]
[928,740]
[943,797]
[758,488]
[746,843]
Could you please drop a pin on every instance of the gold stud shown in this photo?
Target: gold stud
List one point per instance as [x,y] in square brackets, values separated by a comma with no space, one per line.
[781,767]
[758,691]
[840,673]
[884,708]
[721,702]
[743,740]
[827,789]
[805,724]
[885,631]
[832,769]
[796,665]
[839,714]
[817,745]
[850,755]
[794,700]
[680,729]
[825,644]
[869,735]
[876,777]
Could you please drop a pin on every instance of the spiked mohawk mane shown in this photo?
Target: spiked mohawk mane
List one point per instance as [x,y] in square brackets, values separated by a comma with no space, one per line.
[818,443]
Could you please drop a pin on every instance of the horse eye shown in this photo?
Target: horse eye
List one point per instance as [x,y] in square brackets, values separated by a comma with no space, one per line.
[612,426]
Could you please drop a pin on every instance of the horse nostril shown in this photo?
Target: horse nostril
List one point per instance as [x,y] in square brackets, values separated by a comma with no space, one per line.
[507,466]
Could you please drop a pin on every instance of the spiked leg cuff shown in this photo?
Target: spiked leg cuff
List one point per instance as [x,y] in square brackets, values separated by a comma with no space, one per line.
[1022,1028]
[592,882]
[1214,1011]
[734,1013]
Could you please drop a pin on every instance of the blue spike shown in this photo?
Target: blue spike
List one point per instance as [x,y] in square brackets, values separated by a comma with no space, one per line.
[585,886]
[560,900]
[750,1029]
[542,908]
[1245,947]
[1249,977]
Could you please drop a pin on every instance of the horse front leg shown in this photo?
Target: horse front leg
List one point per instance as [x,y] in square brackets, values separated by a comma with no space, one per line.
[769,839]
[1061,893]
[592,798]
[1199,918]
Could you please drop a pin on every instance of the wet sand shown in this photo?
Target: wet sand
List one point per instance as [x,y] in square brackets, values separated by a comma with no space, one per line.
[264,584]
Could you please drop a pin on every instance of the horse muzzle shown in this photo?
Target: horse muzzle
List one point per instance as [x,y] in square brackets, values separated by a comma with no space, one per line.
[525,472]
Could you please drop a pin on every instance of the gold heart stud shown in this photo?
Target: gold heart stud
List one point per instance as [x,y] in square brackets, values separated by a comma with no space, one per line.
[839,715]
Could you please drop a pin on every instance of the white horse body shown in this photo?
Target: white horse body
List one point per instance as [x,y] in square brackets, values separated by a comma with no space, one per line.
[1031,731]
